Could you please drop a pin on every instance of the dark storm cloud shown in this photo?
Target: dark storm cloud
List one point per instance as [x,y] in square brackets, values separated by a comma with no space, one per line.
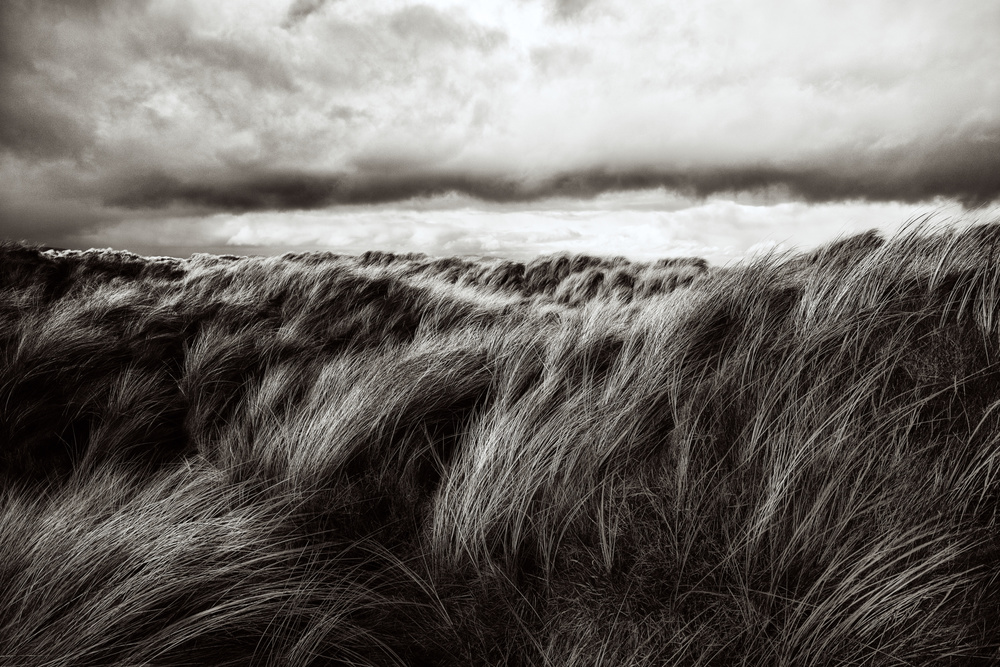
[302,191]
[968,170]
[965,168]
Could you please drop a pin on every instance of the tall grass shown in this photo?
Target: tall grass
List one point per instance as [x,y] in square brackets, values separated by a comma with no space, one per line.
[401,460]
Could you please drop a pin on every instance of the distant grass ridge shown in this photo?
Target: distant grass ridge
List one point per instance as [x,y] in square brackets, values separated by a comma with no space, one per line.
[401,460]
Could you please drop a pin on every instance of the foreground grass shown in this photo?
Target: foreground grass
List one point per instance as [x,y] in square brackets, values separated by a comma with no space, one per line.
[383,460]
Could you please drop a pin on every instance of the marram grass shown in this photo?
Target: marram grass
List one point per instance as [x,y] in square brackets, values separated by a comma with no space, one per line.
[399,460]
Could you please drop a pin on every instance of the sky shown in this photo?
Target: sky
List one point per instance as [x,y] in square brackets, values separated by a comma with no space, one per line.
[497,127]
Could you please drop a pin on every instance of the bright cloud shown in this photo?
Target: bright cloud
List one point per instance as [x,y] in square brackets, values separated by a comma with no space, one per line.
[642,226]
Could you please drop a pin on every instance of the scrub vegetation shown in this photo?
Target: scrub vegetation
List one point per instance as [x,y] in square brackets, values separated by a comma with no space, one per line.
[400,460]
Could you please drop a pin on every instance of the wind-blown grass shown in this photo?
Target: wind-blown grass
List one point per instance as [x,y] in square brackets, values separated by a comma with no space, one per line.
[320,459]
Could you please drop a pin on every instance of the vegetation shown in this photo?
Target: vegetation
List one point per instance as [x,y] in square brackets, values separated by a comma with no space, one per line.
[329,460]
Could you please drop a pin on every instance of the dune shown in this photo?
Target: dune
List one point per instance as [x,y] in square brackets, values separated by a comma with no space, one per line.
[322,459]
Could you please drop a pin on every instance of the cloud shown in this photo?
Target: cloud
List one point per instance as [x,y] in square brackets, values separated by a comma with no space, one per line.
[567,9]
[640,225]
[967,170]
[110,108]
[300,10]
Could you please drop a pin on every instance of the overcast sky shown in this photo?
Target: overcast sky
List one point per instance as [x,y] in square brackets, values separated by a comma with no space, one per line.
[647,128]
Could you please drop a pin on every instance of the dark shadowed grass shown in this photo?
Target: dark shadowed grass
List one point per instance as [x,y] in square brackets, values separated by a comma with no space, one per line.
[385,459]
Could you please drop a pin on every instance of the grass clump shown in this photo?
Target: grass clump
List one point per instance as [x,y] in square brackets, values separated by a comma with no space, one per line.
[399,460]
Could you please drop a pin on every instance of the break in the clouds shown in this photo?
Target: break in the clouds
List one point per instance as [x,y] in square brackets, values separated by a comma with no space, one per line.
[117,111]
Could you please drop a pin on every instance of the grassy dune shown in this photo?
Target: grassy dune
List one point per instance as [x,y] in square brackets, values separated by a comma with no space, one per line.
[328,460]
